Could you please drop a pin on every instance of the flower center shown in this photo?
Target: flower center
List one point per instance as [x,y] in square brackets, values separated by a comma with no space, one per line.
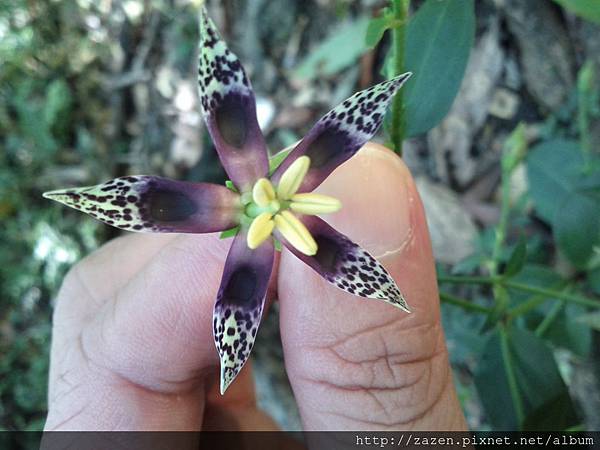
[271,209]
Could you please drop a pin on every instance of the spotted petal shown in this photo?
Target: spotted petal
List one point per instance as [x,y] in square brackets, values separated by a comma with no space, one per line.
[348,266]
[340,133]
[148,203]
[240,303]
[229,109]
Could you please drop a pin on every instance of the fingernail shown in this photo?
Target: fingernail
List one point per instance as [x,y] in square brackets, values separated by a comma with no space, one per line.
[377,195]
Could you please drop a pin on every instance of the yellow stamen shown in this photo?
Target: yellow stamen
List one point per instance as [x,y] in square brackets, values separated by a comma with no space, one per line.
[313,204]
[292,178]
[263,192]
[260,229]
[295,233]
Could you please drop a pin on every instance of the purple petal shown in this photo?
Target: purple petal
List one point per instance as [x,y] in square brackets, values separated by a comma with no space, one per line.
[229,109]
[240,303]
[148,203]
[340,133]
[347,265]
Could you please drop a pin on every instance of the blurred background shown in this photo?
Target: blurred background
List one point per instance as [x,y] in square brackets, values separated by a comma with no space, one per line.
[506,162]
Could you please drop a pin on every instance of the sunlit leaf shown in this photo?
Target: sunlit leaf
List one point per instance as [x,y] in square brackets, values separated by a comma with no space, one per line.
[276,160]
[438,42]
[377,26]
[342,48]
[587,9]
[229,233]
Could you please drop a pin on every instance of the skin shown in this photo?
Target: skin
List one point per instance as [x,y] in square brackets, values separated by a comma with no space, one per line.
[132,345]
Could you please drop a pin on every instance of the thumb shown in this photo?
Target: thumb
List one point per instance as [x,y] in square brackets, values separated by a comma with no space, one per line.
[355,363]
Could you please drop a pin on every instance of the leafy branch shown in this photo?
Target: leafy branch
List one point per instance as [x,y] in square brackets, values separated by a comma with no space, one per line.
[514,152]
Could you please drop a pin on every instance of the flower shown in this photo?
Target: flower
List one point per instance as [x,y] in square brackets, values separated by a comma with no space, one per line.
[260,204]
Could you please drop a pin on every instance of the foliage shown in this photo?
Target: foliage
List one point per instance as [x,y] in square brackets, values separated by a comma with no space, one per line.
[588,9]
[436,50]
[529,290]
[37,108]
[56,126]
[516,376]
[439,40]
[341,49]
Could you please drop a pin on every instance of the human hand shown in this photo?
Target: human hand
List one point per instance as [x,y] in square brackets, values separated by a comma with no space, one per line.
[132,341]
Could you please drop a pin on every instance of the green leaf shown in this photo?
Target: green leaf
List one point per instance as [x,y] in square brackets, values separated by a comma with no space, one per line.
[576,226]
[538,384]
[492,385]
[514,149]
[537,275]
[564,332]
[229,185]
[590,319]
[438,42]
[57,104]
[377,26]
[276,160]
[229,233]
[462,333]
[588,9]
[517,259]
[502,299]
[556,413]
[554,169]
[339,50]
[593,279]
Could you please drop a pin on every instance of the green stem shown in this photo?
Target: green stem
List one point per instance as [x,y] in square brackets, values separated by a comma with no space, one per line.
[584,136]
[504,214]
[467,280]
[535,300]
[546,293]
[552,315]
[511,377]
[464,304]
[513,149]
[400,9]
[549,293]
[527,306]
[585,83]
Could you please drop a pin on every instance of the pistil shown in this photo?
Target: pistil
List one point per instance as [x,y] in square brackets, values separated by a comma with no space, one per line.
[269,209]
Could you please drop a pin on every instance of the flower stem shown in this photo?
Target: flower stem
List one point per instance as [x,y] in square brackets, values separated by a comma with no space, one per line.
[400,10]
